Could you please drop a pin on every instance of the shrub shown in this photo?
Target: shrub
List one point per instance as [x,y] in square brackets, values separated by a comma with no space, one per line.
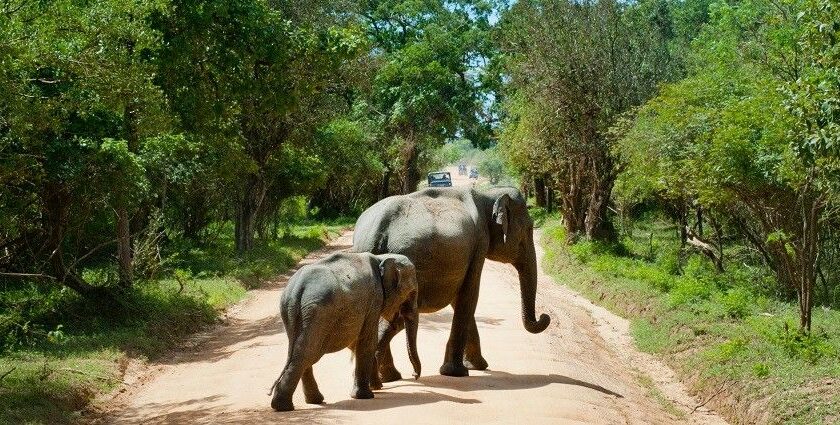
[737,302]
[582,251]
[808,347]
[689,290]
[761,370]
[726,351]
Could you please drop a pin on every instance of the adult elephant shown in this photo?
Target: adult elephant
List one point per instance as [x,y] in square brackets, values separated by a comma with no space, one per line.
[447,233]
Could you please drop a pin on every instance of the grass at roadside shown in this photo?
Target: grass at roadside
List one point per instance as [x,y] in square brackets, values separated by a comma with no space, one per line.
[726,334]
[61,352]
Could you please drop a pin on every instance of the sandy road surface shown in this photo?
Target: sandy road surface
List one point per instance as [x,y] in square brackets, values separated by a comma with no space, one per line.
[582,369]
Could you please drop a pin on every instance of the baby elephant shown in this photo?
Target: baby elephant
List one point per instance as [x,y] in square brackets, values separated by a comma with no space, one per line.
[336,303]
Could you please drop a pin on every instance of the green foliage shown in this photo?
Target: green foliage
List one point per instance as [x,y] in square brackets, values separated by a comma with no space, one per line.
[737,302]
[491,165]
[761,370]
[807,347]
[724,330]
[573,70]
[64,350]
[726,351]
[429,87]
[742,135]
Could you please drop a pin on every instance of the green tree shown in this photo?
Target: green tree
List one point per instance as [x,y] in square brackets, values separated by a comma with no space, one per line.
[427,89]
[741,137]
[80,99]
[252,73]
[578,67]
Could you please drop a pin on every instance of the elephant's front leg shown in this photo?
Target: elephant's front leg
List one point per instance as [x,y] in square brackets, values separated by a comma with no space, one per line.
[384,360]
[472,352]
[365,351]
[464,315]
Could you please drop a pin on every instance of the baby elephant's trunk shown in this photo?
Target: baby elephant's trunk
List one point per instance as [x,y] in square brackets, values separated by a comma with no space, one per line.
[411,316]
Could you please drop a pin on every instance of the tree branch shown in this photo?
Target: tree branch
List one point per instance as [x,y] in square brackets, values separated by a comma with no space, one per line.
[705,247]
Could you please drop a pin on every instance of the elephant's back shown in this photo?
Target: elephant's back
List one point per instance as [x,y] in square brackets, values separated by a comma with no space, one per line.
[370,231]
[438,234]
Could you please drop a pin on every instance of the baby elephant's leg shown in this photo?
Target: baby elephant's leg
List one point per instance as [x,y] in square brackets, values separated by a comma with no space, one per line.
[301,357]
[310,388]
[365,351]
[385,362]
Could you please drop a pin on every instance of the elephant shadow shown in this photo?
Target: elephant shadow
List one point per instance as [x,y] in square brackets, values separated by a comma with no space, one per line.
[498,380]
[389,400]
[487,380]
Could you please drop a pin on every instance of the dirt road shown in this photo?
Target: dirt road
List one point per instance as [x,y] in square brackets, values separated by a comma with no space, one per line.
[582,369]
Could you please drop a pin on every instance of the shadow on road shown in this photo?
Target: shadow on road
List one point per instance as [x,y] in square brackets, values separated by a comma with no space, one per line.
[327,413]
[497,380]
[223,415]
[224,341]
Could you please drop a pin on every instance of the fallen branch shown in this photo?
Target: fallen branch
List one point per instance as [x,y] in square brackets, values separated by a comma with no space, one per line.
[4,375]
[708,399]
[705,247]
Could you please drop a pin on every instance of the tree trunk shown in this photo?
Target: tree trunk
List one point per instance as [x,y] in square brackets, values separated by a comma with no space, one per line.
[411,173]
[573,200]
[56,201]
[809,257]
[246,212]
[539,191]
[795,255]
[385,188]
[124,258]
[549,200]
[704,247]
[700,220]
[597,221]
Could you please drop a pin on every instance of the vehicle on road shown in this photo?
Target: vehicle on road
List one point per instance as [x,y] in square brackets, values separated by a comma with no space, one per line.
[440,179]
[462,169]
[474,173]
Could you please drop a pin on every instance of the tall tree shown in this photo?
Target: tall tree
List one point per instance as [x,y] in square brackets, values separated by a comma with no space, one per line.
[579,66]
[428,88]
[80,99]
[243,71]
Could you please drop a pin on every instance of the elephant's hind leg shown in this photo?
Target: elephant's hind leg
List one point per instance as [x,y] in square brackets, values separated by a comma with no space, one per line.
[384,359]
[301,357]
[310,388]
[472,352]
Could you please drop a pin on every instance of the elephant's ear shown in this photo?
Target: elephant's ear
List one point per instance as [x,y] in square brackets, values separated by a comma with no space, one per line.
[390,275]
[501,212]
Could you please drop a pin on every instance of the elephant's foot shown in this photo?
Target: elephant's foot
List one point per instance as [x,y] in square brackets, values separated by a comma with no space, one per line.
[389,373]
[361,393]
[477,363]
[316,398]
[376,384]
[451,369]
[282,404]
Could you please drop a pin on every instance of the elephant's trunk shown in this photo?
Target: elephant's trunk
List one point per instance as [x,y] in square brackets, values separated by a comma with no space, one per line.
[527,269]
[411,316]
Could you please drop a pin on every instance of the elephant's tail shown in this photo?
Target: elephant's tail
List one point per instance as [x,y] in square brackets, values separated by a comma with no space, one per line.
[274,385]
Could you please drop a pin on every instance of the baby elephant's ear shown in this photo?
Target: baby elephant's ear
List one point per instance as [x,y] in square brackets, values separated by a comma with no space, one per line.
[388,271]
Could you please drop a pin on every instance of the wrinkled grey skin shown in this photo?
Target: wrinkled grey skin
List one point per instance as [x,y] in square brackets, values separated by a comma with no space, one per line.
[447,233]
[336,303]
